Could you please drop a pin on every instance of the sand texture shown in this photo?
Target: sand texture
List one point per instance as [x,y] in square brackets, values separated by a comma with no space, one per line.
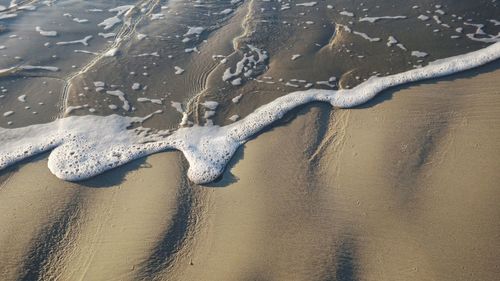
[403,188]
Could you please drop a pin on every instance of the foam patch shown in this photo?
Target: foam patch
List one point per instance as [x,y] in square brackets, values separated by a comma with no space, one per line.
[85,146]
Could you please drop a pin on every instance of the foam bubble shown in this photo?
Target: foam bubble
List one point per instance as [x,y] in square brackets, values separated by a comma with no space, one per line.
[374,19]
[121,96]
[84,41]
[84,146]
[45,32]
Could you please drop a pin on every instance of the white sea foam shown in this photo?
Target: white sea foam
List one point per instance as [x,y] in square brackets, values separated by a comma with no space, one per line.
[39,67]
[480,35]
[190,50]
[111,52]
[80,20]
[346,13]
[70,109]
[253,59]
[158,16]
[391,41]
[226,12]
[307,4]
[374,19]
[212,105]
[84,41]
[237,98]
[106,35]
[234,118]
[27,7]
[86,52]
[401,46]
[99,84]
[365,36]
[236,82]
[85,146]
[8,113]
[136,86]
[45,33]
[110,22]
[178,70]
[423,17]
[155,101]
[121,96]
[419,54]
[177,106]
[196,30]
[153,54]
[7,16]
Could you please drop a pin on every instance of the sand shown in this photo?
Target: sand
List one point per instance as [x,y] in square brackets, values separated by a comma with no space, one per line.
[403,188]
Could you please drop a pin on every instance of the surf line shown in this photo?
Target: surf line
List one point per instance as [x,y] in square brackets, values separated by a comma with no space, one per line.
[84,146]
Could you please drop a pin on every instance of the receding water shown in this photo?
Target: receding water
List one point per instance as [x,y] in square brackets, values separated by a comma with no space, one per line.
[161,52]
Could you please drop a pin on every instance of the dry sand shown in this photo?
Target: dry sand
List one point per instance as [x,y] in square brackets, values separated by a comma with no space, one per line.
[404,188]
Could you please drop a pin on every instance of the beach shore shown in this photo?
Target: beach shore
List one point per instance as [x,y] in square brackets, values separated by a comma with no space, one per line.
[402,188]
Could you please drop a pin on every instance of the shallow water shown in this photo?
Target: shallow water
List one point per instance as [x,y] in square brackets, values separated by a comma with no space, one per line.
[330,197]
[322,44]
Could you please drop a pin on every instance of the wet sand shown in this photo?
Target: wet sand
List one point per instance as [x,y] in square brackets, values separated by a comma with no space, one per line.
[404,188]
